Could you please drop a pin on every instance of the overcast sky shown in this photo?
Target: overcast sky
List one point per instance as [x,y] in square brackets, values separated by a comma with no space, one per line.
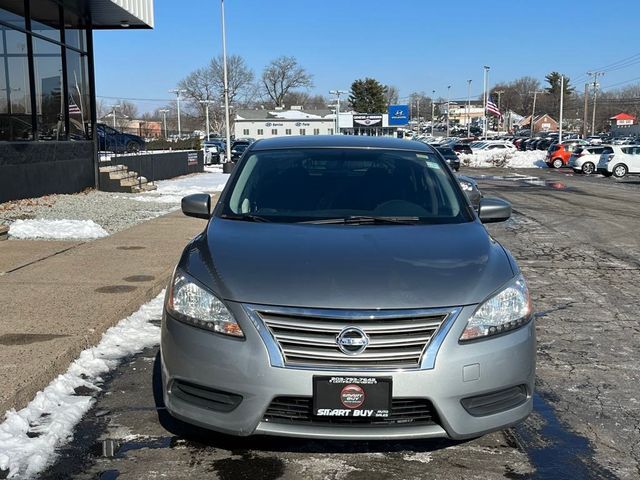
[416,45]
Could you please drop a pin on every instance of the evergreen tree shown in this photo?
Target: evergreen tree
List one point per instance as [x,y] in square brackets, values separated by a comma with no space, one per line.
[552,101]
[368,96]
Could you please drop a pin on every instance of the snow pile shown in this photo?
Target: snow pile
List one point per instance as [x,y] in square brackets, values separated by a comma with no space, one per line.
[172,191]
[502,158]
[56,229]
[52,415]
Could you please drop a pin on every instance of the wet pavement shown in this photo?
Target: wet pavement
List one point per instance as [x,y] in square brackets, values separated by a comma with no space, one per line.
[576,241]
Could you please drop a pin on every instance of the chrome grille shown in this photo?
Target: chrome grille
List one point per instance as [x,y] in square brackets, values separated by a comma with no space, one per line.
[307,337]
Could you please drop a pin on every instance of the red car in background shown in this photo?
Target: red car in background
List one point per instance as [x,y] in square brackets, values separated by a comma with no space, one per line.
[558,154]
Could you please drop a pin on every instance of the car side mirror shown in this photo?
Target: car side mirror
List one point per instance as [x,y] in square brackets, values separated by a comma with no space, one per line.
[494,210]
[197,205]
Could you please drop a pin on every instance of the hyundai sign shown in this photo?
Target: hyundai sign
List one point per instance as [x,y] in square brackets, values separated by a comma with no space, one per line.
[398,115]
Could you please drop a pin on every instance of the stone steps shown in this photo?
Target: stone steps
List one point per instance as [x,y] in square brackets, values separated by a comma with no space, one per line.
[118,178]
[4,231]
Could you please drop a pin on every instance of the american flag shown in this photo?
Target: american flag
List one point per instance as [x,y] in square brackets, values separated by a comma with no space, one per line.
[73,108]
[493,108]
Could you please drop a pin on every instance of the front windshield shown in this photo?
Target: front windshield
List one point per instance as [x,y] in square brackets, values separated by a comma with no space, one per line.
[311,184]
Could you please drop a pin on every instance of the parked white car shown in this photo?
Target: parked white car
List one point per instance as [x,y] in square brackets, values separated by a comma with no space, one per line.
[494,145]
[620,160]
[585,159]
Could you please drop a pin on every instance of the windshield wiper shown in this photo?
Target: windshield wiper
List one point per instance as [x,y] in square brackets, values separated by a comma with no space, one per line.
[247,217]
[366,220]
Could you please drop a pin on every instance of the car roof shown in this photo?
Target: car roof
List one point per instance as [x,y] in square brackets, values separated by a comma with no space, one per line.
[339,141]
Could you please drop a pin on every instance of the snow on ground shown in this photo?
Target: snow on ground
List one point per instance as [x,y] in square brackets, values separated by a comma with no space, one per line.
[29,437]
[56,229]
[502,158]
[172,191]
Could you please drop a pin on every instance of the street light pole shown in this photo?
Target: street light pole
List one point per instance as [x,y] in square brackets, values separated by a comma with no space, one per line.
[484,114]
[207,102]
[499,93]
[448,107]
[337,93]
[164,120]
[468,108]
[226,84]
[533,112]
[178,91]
[561,107]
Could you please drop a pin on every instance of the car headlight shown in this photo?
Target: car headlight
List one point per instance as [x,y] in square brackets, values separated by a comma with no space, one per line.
[192,304]
[505,311]
[466,186]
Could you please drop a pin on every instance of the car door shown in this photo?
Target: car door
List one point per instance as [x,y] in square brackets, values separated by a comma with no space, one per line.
[634,160]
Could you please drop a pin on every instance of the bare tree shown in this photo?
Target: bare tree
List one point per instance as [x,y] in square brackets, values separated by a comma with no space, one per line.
[281,76]
[207,83]
[305,100]
[239,76]
[392,94]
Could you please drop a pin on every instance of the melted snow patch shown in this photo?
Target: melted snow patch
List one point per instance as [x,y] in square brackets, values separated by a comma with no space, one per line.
[55,411]
[422,457]
[323,467]
[57,229]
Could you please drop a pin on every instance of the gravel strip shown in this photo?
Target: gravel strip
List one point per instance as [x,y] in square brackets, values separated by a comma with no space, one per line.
[113,211]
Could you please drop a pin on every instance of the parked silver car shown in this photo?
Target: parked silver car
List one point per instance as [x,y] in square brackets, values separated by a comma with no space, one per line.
[345,288]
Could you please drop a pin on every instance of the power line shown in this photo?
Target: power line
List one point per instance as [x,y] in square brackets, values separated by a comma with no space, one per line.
[137,99]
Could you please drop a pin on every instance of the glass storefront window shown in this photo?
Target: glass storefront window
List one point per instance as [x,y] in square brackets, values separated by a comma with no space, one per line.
[13,18]
[45,18]
[78,87]
[47,64]
[53,110]
[15,100]
[76,39]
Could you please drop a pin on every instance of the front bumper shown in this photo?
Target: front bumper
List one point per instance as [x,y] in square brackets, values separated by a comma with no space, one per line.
[243,367]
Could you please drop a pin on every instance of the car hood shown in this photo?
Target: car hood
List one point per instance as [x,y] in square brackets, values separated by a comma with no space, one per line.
[348,266]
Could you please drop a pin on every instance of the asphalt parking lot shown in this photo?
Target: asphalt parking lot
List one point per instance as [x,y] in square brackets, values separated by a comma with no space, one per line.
[576,239]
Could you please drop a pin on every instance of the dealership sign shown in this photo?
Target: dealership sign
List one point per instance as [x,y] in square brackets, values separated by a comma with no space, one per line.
[367,120]
[398,115]
[624,122]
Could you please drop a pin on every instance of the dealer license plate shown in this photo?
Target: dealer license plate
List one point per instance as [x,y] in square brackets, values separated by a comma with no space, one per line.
[358,397]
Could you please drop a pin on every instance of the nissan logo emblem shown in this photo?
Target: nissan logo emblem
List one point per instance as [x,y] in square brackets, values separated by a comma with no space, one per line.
[352,341]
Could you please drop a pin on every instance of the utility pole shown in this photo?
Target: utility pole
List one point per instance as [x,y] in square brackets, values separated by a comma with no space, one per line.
[164,112]
[113,113]
[586,109]
[207,102]
[337,93]
[433,110]
[448,108]
[226,86]
[468,108]
[561,107]
[595,85]
[178,91]
[418,108]
[499,93]
[484,112]
[533,112]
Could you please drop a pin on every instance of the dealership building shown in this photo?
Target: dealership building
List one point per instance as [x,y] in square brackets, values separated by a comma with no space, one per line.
[47,90]
[266,124]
